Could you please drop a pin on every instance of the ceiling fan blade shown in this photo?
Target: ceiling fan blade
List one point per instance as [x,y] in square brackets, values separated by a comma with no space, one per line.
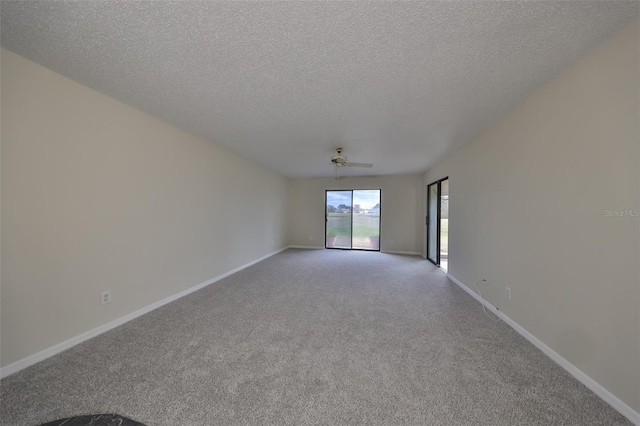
[358,164]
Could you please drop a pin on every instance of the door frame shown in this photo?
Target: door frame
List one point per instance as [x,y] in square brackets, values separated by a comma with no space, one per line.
[326,218]
[438,182]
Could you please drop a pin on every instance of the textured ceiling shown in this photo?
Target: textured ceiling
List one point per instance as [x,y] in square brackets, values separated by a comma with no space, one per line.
[284,83]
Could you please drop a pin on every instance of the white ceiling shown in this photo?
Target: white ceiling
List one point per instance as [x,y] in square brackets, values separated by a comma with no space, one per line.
[284,83]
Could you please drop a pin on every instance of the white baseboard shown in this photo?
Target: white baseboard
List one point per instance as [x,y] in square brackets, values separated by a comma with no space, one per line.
[411,253]
[23,363]
[597,388]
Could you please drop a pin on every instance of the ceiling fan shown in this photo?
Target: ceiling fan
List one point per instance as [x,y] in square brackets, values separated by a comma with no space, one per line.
[342,161]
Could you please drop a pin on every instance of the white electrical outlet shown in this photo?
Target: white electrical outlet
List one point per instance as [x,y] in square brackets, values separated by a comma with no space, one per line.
[507,292]
[310,237]
[105,297]
[206,266]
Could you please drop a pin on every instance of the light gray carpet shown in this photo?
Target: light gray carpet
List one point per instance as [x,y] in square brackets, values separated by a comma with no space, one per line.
[311,337]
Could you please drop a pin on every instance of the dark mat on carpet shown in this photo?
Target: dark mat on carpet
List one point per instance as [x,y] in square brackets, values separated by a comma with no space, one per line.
[94,420]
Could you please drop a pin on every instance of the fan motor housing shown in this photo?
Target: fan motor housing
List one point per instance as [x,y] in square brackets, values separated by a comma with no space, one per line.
[339,159]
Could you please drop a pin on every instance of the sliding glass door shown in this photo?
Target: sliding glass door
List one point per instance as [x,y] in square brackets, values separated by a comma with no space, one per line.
[366,219]
[338,219]
[433,200]
[352,219]
[438,222]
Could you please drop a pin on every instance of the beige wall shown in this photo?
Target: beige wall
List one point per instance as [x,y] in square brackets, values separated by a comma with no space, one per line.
[97,195]
[400,209]
[528,209]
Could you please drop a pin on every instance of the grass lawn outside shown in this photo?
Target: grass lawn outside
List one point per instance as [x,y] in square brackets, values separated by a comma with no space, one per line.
[364,226]
[444,236]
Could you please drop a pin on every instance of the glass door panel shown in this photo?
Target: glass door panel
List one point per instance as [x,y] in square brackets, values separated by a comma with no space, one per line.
[338,219]
[366,219]
[433,202]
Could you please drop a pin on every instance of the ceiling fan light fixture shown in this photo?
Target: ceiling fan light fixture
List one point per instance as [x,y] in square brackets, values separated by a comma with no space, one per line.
[342,161]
